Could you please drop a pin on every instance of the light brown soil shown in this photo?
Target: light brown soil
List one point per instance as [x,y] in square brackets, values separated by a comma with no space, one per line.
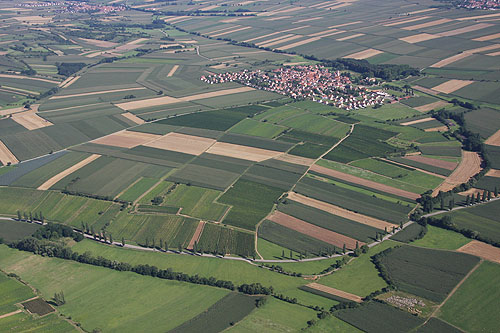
[126,139]
[470,165]
[197,235]
[68,82]
[493,173]
[487,37]
[431,106]
[28,78]
[418,121]
[49,183]
[308,229]
[296,159]
[130,45]
[285,40]
[231,31]
[494,54]
[450,60]
[344,24]
[494,140]
[133,117]
[335,292]
[172,71]
[188,144]
[472,191]
[418,38]
[99,43]
[6,112]
[349,37]
[432,161]
[157,101]
[96,93]
[299,43]
[451,86]
[6,155]
[422,11]
[437,129]
[265,42]
[30,120]
[365,182]
[260,37]
[243,152]
[427,24]
[364,54]
[465,29]
[425,90]
[338,211]
[468,18]
[482,250]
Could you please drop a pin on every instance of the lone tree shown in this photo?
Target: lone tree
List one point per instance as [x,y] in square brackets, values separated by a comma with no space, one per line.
[18,215]
[496,191]
[59,298]
[110,239]
[451,203]
[467,200]
[478,197]
[123,241]
[489,195]
[344,249]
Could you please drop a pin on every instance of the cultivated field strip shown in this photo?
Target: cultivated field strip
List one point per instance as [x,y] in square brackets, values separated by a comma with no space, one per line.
[316,232]
[196,235]
[188,144]
[335,292]
[468,167]
[6,156]
[30,120]
[338,211]
[133,117]
[126,139]
[494,139]
[423,120]
[482,250]
[242,152]
[432,161]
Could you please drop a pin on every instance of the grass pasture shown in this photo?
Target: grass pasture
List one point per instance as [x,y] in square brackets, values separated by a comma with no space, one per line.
[256,128]
[15,230]
[438,238]
[12,292]
[23,322]
[137,189]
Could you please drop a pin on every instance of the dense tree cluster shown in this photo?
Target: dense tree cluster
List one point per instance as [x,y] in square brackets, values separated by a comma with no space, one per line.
[69,68]
[384,71]
[55,231]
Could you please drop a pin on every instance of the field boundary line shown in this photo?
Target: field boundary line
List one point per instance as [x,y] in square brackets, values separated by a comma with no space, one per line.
[11,313]
[128,187]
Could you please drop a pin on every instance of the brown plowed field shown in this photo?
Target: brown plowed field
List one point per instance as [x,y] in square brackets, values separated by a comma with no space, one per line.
[335,292]
[30,120]
[243,152]
[188,144]
[126,139]
[6,155]
[493,173]
[431,106]
[133,117]
[470,165]
[432,161]
[96,93]
[494,140]
[427,24]
[472,191]
[418,38]
[197,235]
[49,183]
[487,37]
[437,129]
[450,60]
[365,182]
[482,250]
[295,159]
[338,211]
[451,86]
[308,229]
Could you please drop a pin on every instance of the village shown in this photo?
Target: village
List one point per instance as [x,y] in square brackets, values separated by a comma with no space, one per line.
[314,82]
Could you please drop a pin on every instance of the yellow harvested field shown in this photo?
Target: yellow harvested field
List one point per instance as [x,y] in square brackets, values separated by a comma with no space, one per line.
[312,230]
[437,129]
[494,54]
[487,37]
[484,48]
[172,71]
[321,33]
[418,121]
[468,167]
[69,81]
[99,43]
[477,17]
[7,112]
[427,24]
[338,211]
[183,143]
[130,45]
[431,106]
[365,54]
[133,117]
[284,40]
[482,250]
[6,155]
[451,60]
[451,86]
[260,37]
[126,139]
[349,37]
[493,173]
[394,22]
[215,94]
[494,139]
[242,152]
[422,11]
[296,159]
[11,76]
[418,38]
[231,31]
[273,40]
[335,292]
[49,183]
[464,30]
[33,19]
[344,24]
[30,120]
[308,19]
[96,93]
[472,191]
[299,43]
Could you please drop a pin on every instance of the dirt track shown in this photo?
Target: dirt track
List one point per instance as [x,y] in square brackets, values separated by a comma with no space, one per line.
[482,250]
[338,211]
[133,117]
[365,182]
[418,121]
[305,228]
[49,183]
[470,165]
[335,292]
[196,235]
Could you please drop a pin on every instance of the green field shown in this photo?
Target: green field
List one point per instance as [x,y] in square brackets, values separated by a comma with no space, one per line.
[437,238]
[137,189]
[109,312]
[23,322]
[12,292]
[15,230]
[256,128]
[473,306]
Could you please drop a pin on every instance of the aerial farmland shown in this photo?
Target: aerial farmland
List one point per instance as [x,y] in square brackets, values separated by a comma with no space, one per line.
[249,166]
